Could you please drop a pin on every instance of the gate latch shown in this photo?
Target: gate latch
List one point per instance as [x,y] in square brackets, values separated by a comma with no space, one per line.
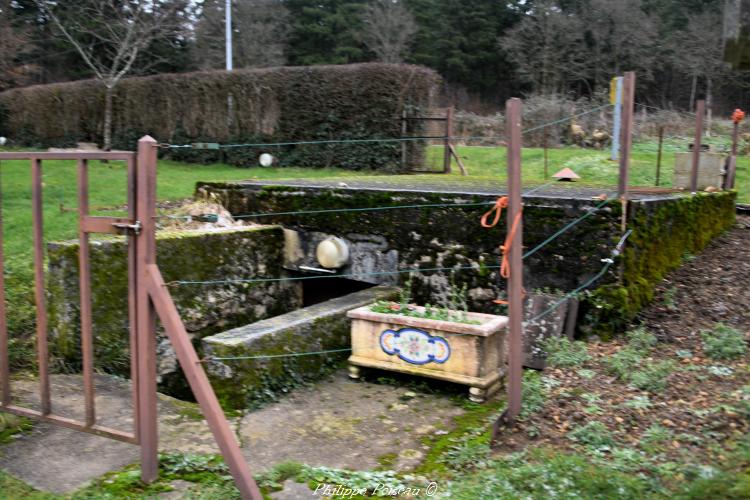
[124,228]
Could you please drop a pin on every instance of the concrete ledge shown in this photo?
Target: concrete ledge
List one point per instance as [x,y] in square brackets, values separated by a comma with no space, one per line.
[244,383]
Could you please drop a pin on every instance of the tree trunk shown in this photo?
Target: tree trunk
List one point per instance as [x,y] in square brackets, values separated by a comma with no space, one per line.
[709,105]
[108,100]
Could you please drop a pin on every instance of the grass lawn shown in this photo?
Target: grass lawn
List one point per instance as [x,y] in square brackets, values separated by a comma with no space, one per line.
[594,166]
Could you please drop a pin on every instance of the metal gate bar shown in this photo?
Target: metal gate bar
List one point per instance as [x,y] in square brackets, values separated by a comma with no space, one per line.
[147,296]
[87,224]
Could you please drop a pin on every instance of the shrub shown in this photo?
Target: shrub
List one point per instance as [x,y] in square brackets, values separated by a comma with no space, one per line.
[622,363]
[653,377]
[593,434]
[563,353]
[641,340]
[724,342]
[270,105]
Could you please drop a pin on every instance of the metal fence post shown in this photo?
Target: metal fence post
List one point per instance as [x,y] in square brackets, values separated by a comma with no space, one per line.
[617,118]
[659,154]
[144,311]
[626,141]
[700,110]
[515,281]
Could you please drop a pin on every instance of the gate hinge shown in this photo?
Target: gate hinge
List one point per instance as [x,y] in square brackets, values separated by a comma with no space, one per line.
[123,228]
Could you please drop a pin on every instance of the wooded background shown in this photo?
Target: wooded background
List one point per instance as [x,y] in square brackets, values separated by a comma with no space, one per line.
[485,50]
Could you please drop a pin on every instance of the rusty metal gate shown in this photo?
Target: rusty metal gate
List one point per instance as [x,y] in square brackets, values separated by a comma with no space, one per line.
[148,298]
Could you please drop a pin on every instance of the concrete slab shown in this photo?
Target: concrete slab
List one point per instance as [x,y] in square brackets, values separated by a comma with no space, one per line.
[335,423]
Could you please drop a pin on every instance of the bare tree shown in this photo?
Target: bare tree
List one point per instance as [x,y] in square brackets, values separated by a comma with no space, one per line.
[110,35]
[621,36]
[260,33]
[14,43]
[699,50]
[547,47]
[388,27]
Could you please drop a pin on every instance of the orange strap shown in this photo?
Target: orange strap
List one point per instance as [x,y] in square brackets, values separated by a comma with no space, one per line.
[738,116]
[502,202]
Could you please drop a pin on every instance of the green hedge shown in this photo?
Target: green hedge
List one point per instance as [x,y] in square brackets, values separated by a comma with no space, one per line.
[269,105]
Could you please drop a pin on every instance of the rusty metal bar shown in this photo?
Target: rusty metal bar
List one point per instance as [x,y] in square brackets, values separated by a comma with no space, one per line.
[41,306]
[72,155]
[97,224]
[732,163]
[4,354]
[132,296]
[145,318]
[70,423]
[658,155]
[84,272]
[626,133]
[700,110]
[200,385]
[515,281]
[448,136]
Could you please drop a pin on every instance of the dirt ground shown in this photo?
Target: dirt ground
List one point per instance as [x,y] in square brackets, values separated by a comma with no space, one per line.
[695,414]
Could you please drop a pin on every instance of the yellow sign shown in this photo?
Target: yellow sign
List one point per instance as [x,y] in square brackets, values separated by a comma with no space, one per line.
[613,90]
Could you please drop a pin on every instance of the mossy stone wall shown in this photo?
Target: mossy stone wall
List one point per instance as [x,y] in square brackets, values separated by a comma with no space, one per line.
[664,229]
[665,232]
[188,256]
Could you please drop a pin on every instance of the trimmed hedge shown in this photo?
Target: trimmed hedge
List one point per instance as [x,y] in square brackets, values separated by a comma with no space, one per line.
[269,105]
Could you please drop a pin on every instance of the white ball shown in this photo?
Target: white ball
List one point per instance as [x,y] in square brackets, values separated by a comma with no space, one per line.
[266,160]
[3,141]
[332,252]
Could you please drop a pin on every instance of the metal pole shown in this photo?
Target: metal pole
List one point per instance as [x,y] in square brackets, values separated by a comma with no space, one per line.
[515,280]
[658,155]
[448,134]
[617,119]
[700,110]
[145,318]
[84,271]
[626,132]
[39,289]
[201,386]
[228,33]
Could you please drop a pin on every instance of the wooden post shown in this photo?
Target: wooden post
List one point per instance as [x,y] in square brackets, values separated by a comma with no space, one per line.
[658,155]
[700,110]
[515,281]
[448,135]
[626,141]
[403,143]
[145,320]
[546,155]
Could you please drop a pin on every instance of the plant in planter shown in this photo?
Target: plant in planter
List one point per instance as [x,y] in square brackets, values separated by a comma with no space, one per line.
[446,343]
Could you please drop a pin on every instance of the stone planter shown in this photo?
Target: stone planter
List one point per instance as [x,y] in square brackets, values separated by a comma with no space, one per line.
[469,354]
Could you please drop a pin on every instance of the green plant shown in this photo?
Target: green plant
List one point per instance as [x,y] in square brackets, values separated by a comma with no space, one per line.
[652,377]
[724,342]
[623,362]
[563,353]
[668,297]
[533,394]
[638,403]
[467,455]
[654,437]
[641,340]
[593,434]
[12,426]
